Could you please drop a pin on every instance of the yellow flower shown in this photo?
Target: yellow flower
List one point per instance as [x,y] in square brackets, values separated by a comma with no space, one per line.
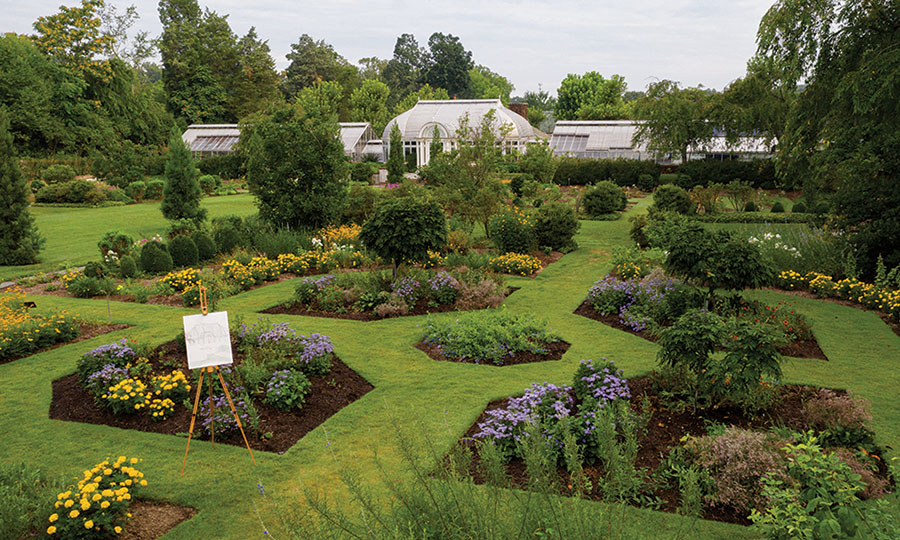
[51,529]
[88,524]
[104,504]
[74,514]
[118,529]
[53,517]
[69,503]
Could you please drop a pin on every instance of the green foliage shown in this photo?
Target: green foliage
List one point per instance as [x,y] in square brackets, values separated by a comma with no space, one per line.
[155,259]
[183,251]
[182,193]
[590,97]
[94,269]
[368,103]
[287,390]
[512,231]
[155,190]
[295,169]
[447,65]
[555,225]
[312,61]
[229,166]
[671,198]
[89,287]
[24,492]
[799,207]
[603,198]
[759,173]
[777,208]
[136,190]
[738,194]
[690,341]
[674,119]
[209,183]
[485,84]
[227,238]
[405,229]
[395,156]
[538,161]
[58,173]
[206,247]
[127,266]
[115,243]
[751,355]
[362,172]
[19,239]
[622,172]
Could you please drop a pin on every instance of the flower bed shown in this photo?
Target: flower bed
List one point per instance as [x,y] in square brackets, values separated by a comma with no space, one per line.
[606,438]
[494,338]
[283,384]
[884,300]
[23,333]
[373,295]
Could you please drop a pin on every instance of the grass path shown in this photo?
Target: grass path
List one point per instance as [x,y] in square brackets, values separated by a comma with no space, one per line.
[409,389]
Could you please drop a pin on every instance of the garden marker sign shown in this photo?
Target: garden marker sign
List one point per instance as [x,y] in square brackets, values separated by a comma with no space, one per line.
[208,343]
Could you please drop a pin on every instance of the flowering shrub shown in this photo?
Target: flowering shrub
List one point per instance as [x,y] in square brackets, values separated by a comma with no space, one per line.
[240,274]
[433,259]
[873,297]
[266,269]
[70,276]
[488,336]
[782,316]
[100,381]
[290,263]
[287,389]
[790,280]
[97,506]
[180,280]
[281,343]
[223,419]
[515,263]
[407,288]
[22,333]
[633,301]
[444,288]
[600,383]
[172,386]
[341,235]
[512,231]
[127,396]
[118,354]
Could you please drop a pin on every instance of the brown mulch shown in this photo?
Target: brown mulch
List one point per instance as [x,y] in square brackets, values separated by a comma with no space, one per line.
[150,520]
[86,330]
[808,348]
[892,324]
[665,430]
[555,351]
[421,308]
[328,395]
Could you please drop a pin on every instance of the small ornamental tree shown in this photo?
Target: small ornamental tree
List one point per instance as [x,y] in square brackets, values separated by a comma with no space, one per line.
[405,229]
[436,146]
[19,239]
[182,193]
[395,156]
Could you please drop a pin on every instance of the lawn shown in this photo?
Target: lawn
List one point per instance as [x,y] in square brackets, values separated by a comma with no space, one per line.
[409,389]
[72,233]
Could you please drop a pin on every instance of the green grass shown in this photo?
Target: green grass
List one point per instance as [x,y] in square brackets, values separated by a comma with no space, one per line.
[72,233]
[409,388]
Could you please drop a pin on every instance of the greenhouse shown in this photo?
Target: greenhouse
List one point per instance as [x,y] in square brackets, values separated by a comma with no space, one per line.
[417,125]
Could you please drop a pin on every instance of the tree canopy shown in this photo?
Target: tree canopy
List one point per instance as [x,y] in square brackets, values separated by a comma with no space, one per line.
[590,97]
[673,118]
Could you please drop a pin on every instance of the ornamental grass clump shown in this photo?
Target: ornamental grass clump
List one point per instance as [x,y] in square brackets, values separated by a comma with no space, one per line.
[97,507]
[489,337]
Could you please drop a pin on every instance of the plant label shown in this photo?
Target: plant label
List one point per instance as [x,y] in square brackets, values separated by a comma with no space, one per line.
[208,340]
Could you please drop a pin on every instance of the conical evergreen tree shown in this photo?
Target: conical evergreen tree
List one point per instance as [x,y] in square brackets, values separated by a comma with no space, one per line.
[436,146]
[19,239]
[182,193]
[395,156]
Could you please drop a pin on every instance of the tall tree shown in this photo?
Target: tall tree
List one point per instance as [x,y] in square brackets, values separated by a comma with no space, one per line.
[447,65]
[395,155]
[403,72]
[313,60]
[135,50]
[369,104]
[321,99]
[487,84]
[673,119]
[19,239]
[590,97]
[843,133]
[424,93]
[182,193]
[372,68]
[74,38]
[295,168]
[256,86]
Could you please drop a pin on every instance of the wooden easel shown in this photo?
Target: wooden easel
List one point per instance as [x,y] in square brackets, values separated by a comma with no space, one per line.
[209,371]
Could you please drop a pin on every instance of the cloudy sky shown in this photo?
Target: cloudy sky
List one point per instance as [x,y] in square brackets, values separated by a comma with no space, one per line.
[530,42]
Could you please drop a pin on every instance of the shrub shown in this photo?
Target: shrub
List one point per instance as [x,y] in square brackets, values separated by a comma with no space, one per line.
[183,251]
[94,269]
[777,208]
[227,238]
[647,182]
[58,174]
[750,207]
[515,263]
[287,389]
[830,410]
[89,287]
[512,231]
[671,198]
[799,207]
[759,173]
[405,229]
[209,183]
[154,190]
[486,293]
[603,198]
[555,225]
[127,267]
[228,166]
[136,190]
[115,243]
[206,248]
[155,259]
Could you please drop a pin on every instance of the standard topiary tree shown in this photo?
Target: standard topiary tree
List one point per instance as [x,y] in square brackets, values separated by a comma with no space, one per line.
[183,251]
[555,225]
[405,229]
[182,193]
[19,239]
[671,198]
[155,259]
[603,198]
[206,248]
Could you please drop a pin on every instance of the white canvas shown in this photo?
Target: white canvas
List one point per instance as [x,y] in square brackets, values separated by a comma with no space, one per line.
[208,340]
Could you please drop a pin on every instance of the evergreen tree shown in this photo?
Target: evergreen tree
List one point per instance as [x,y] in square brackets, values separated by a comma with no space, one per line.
[182,193]
[436,146]
[19,240]
[395,157]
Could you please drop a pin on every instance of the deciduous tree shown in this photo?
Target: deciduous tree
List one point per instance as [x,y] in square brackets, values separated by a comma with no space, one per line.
[590,97]
[673,119]
[405,229]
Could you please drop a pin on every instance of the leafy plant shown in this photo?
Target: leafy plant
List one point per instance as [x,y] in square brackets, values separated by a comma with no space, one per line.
[287,389]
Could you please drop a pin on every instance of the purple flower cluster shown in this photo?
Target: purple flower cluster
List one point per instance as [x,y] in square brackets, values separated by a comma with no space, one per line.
[109,375]
[113,351]
[322,282]
[443,280]
[315,347]
[626,298]
[406,288]
[277,383]
[603,383]
[224,418]
[279,334]
[540,402]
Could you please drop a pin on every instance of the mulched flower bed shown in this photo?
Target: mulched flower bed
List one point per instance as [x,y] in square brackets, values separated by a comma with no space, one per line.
[892,324]
[86,330]
[329,394]
[664,432]
[798,349]
[421,308]
[555,352]
[149,520]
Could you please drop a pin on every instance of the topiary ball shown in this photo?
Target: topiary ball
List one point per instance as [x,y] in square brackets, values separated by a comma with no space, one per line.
[777,208]
[206,248]
[750,206]
[671,198]
[127,266]
[183,251]
[555,225]
[603,198]
[155,259]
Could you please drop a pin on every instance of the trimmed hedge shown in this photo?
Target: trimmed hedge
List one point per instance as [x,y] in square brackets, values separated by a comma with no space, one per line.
[622,172]
[759,173]
[757,217]
[228,166]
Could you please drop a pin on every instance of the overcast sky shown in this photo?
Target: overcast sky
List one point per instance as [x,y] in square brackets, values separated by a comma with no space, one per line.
[530,42]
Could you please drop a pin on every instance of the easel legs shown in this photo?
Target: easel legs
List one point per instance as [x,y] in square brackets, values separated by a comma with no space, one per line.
[211,411]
